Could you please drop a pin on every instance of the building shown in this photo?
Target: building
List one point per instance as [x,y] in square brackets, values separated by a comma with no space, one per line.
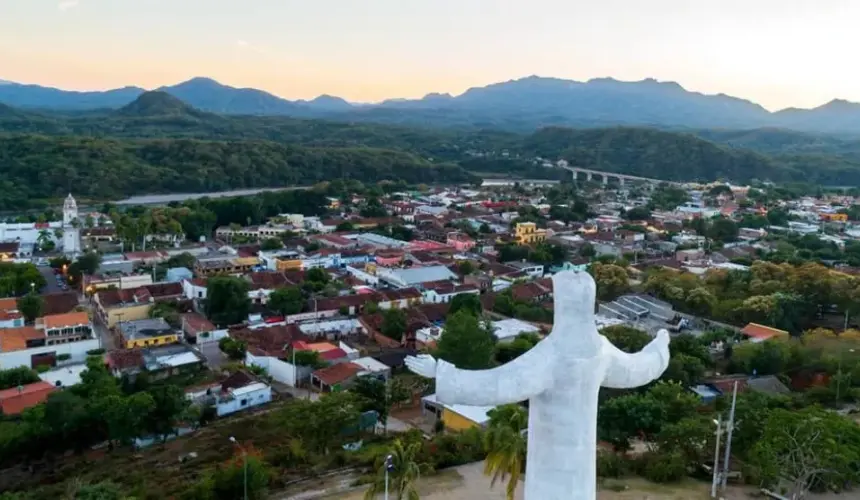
[760,333]
[529,268]
[507,330]
[51,337]
[147,333]
[114,305]
[71,225]
[460,241]
[17,399]
[528,232]
[456,417]
[121,281]
[404,278]
[10,316]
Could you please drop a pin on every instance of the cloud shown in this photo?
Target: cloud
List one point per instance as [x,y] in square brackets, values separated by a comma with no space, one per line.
[67,4]
[246,45]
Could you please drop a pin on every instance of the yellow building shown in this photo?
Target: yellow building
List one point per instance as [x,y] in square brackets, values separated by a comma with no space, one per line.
[147,333]
[528,232]
[115,305]
[456,417]
[289,264]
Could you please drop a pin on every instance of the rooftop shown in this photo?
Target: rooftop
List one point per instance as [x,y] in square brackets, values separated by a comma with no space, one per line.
[144,328]
[15,339]
[17,399]
[509,328]
[65,320]
[338,373]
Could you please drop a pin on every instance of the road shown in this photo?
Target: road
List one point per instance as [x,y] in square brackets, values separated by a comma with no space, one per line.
[50,278]
[214,357]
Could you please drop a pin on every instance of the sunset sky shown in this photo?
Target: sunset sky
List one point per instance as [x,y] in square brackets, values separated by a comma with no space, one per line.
[778,53]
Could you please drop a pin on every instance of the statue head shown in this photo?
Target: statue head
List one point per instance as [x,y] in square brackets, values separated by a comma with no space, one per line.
[574,296]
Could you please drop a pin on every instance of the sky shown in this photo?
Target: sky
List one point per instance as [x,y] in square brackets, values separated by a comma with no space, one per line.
[779,53]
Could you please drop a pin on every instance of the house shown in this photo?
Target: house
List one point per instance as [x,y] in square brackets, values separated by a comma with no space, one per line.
[17,399]
[177,274]
[194,288]
[456,417]
[460,241]
[529,268]
[240,391]
[335,378]
[10,316]
[159,362]
[147,333]
[267,348]
[327,351]
[404,278]
[114,306]
[445,291]
[121,281]
[760,333]
[527,233]
[199,330]
[507,330]
[59,303]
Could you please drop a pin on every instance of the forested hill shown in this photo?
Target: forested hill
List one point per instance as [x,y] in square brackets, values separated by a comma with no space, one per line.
[159,144]
[39,167]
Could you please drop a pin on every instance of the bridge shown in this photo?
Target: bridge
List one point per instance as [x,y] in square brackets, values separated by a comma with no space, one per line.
[621,178]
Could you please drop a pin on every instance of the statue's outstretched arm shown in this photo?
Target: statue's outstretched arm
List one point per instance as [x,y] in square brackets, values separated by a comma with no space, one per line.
[515,381]
[626,371]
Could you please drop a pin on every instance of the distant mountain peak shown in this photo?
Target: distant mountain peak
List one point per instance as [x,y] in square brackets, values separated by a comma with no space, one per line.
[840,105]
[155,103]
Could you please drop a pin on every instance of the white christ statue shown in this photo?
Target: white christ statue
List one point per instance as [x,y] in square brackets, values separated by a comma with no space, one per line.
[560,377]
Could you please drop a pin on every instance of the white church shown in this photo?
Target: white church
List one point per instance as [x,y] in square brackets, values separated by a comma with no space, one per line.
[28,235]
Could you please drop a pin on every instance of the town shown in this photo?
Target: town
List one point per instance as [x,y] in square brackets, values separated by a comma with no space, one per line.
[269,332]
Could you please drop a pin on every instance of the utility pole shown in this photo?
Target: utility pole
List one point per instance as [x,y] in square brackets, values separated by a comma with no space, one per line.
[731,428]
[715,479]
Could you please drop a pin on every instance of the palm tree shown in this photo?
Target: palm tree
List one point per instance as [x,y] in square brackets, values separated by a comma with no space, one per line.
[505,442]
[43,238]
[403,473]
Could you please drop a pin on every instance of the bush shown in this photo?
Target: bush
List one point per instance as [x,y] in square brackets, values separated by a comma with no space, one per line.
[43,368]
[611,464]
[95,352]
[64,357]
[663,467]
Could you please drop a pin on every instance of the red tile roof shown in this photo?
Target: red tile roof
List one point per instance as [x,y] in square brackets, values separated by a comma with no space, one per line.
[59,303]
[761,332]
[15,400]
[195,324]
[124,359]
[338,373]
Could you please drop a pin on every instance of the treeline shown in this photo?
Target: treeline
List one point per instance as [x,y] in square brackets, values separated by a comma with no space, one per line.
[40,167]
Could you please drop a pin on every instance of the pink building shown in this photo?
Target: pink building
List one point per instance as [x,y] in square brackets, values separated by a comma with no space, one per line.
[460,241]
[388,258]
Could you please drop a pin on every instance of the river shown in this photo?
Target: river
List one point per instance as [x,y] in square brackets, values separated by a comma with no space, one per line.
[162,199]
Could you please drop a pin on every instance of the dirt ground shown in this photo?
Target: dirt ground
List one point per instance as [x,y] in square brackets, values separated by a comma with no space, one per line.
[469,483]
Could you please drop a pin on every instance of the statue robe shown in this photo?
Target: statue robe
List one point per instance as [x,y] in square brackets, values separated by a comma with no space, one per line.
[561,377]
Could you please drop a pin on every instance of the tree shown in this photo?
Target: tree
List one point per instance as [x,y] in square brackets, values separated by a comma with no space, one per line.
[322,424]
[381,395]
[345,226]
[509,351]
[309,358]
[13,377]
[466,302]
[466,267]
[506,446]
[808,449]
[393,323]
[126,416]
[287,300]
[31,306]
[233,348]
[466,343]
[317,275]
[611,280]
[227,301]
[246,472]
[170,405]
[638,214]
[270,244]
[184,259]
[403,473]
[723,229]
[626,338]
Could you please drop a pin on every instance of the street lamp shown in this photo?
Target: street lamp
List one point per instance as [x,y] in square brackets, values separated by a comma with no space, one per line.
[244,467]
[389,466]
[839,376]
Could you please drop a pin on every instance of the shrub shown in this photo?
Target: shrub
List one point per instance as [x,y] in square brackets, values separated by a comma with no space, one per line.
[43,368]
[611,464]
[96,352]
[63,357]
[663,467]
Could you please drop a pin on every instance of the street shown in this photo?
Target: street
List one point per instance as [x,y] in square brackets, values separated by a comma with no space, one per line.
[51,285]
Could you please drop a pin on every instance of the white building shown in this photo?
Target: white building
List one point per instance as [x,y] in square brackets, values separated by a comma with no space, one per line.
[71,231]
[242,398]
[507,330]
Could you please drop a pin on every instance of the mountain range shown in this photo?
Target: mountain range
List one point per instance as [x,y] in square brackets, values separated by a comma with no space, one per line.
[523,105]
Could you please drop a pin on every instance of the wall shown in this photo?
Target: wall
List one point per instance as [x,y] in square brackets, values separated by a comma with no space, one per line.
[150,341]
[130,313]
[455,422]
[280,371]
[341,326]
[214,336]
[252,399]
[363,276]
[193,292]
[77,350]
